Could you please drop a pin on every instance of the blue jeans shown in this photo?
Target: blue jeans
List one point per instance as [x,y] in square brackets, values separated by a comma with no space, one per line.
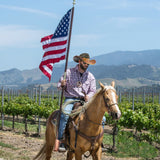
[64,118]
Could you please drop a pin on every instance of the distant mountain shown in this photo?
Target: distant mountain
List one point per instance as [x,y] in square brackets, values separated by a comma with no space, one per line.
[13,76]
[126,71]
[148,57]
[120,65]
[146,75]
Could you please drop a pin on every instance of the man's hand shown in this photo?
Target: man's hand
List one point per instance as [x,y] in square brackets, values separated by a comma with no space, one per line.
[86,98]
[63,83]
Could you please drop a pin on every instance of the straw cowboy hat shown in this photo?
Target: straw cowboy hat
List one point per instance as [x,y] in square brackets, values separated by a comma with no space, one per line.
[85,58]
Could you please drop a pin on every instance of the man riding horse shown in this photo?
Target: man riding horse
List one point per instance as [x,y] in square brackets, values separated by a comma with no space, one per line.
[79,84]
[85,131]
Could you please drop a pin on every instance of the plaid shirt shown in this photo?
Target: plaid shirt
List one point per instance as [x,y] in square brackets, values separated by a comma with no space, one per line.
[87,80]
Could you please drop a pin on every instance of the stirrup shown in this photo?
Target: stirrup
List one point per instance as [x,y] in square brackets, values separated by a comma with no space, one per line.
[62,148]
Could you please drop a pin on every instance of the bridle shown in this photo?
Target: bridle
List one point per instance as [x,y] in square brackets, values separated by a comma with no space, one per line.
[106,105]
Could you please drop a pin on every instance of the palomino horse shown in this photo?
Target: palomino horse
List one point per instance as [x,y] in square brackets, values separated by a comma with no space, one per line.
[85,132]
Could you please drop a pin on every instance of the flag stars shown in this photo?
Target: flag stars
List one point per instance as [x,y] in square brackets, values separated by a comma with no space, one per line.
[63,27]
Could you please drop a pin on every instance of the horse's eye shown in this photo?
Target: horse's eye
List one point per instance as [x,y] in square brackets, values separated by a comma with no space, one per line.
[107,99]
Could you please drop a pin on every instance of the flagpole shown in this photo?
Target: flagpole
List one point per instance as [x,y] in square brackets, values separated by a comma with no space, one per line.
[66,65]
[69,39]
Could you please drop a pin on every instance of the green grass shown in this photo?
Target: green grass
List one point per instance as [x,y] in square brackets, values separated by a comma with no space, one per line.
[20,127]
[128,146]
[7,146]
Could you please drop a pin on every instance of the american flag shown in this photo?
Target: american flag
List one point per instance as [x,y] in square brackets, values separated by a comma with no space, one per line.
[55,45]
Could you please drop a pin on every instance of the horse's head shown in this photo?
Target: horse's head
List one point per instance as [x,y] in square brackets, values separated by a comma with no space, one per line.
[110,100]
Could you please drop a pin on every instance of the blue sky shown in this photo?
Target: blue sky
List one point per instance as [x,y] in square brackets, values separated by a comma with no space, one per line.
[99,27]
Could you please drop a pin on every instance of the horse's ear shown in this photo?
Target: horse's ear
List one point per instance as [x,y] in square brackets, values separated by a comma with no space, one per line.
[102,86]
[113,84]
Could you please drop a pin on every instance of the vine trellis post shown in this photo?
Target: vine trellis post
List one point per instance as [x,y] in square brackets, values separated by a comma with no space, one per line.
[35,101]
[39,118]
[133,93]
[152,95]
[52,94]
[144,96]
[2,114]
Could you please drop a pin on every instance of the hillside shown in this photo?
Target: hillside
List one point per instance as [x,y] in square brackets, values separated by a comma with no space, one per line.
[127,68]
[148,57]
[134,74]
[126,71]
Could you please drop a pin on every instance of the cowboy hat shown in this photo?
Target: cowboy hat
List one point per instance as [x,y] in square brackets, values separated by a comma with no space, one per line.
[85,58]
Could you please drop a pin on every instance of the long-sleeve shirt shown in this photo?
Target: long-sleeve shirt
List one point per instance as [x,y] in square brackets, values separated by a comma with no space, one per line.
[78,84]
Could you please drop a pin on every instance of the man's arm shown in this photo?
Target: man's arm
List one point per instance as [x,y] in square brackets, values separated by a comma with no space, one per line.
[92,89]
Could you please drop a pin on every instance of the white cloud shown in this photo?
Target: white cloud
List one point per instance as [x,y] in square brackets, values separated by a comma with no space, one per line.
[29,10]
[19,36]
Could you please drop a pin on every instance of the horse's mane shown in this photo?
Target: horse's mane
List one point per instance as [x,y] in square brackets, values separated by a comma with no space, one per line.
[107,87]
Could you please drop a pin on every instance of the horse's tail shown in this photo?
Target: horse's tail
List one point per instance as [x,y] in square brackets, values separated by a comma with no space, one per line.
[41,153]
[50,138]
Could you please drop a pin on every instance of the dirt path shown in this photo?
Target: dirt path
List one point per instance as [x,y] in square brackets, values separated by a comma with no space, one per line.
[25,148]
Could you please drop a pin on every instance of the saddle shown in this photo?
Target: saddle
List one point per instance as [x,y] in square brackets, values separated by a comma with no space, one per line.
[76,108]
[77,105]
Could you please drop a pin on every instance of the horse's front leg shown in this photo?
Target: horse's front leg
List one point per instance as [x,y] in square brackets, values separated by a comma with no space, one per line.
[70,155]
[96,155]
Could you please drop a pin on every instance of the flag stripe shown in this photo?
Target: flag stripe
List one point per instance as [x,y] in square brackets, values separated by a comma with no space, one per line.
[45,71]
[46,38]
[50,40]
[55,48]
[53,60]
[50,66]
[55,54]
[47,58]
[54,44]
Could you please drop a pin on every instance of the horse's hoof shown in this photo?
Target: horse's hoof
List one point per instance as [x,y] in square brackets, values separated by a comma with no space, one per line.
[104,149]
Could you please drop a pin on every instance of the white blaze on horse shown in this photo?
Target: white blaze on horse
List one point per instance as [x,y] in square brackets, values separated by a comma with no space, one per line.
[84,132]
